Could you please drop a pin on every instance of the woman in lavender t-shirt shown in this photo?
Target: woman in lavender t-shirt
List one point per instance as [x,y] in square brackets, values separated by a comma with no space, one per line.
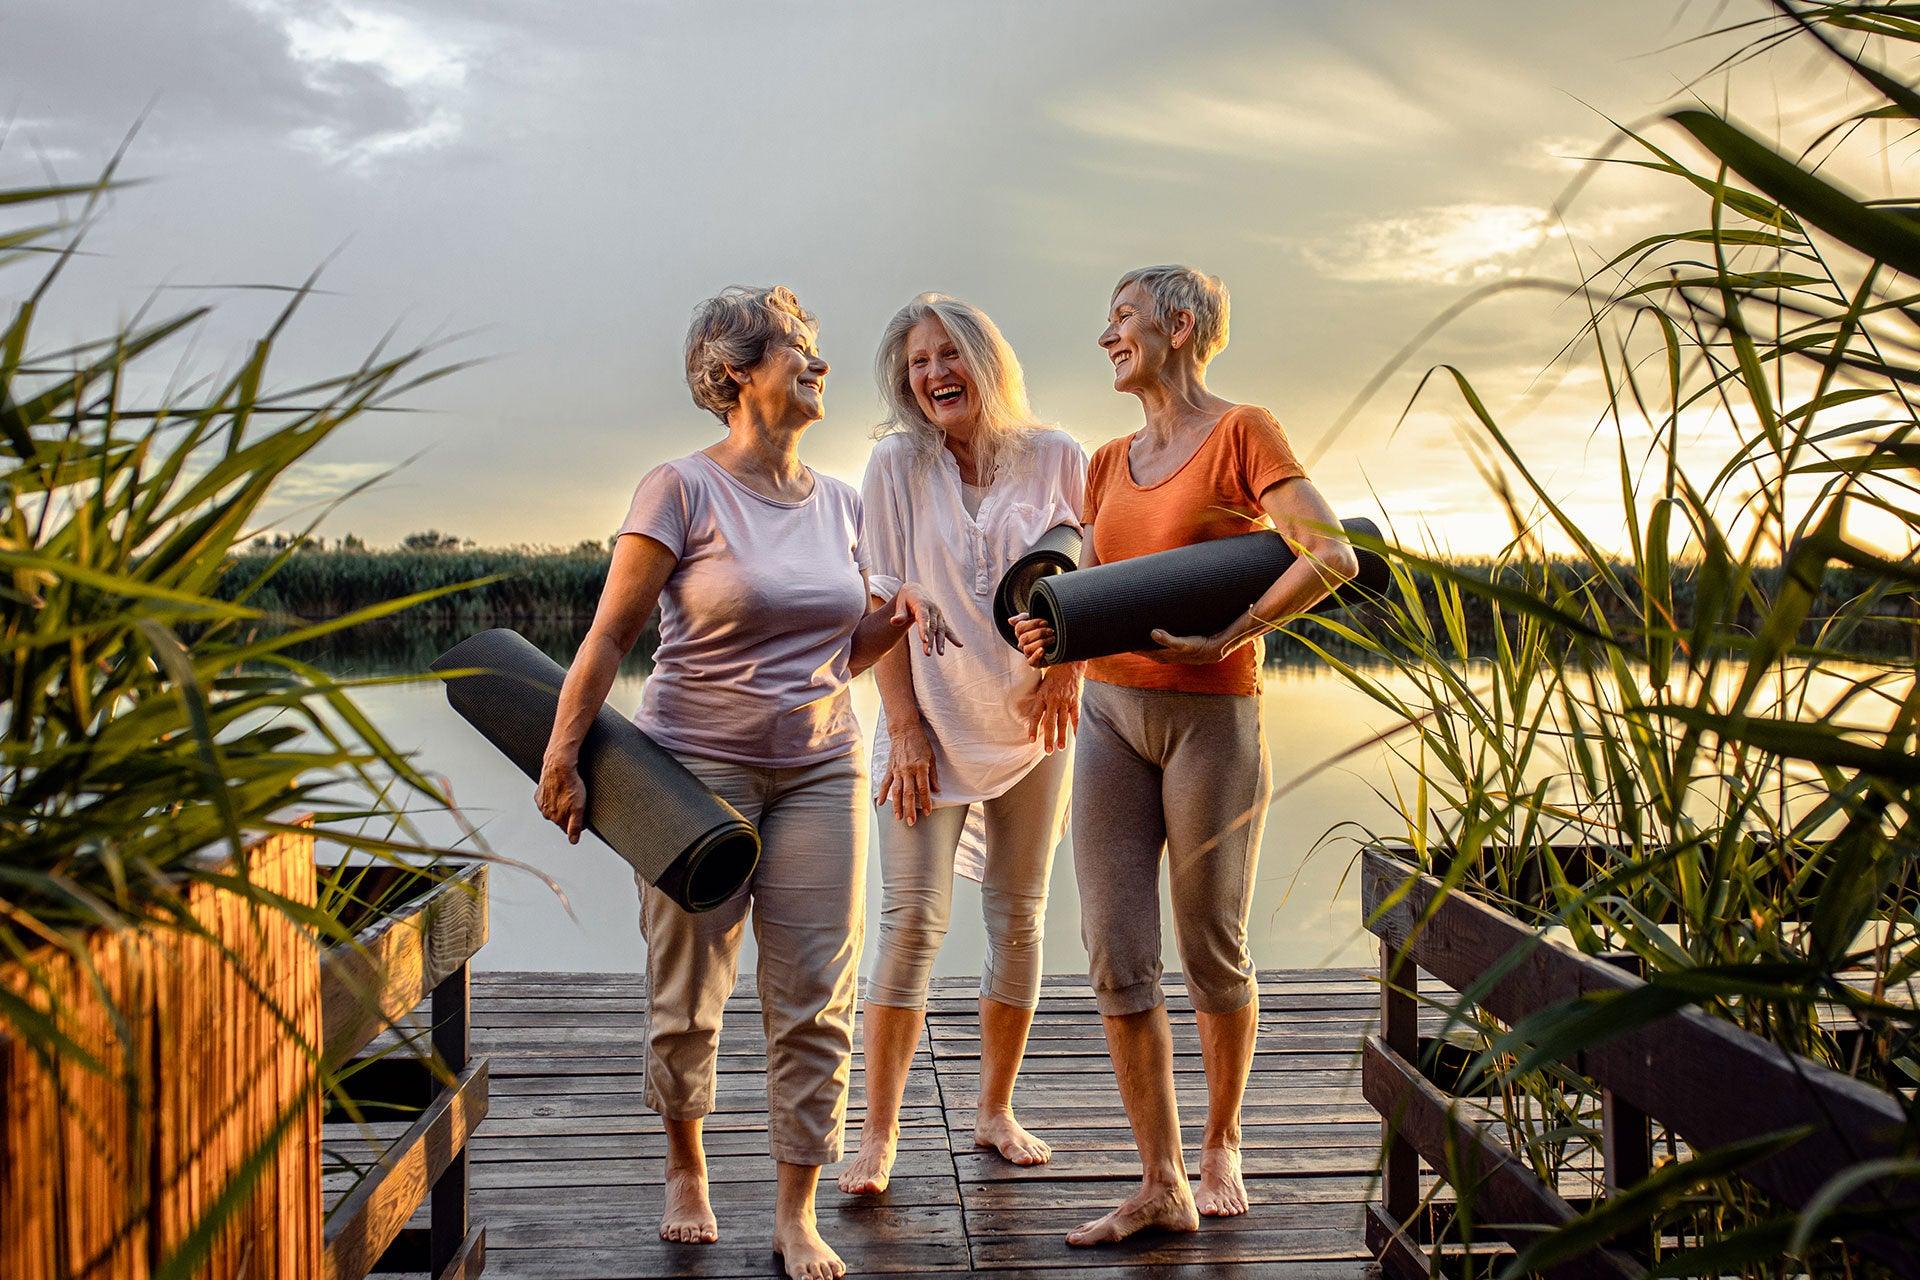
[755,561]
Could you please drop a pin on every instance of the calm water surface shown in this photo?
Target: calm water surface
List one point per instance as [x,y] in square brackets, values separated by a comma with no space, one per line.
[1306,910]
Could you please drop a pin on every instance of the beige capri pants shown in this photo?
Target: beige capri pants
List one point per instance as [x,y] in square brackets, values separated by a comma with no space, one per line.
[1186,773]
[916,866]
[806,898]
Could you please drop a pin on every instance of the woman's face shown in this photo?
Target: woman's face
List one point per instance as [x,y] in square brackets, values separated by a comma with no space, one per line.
[938,376]
[1138,348]
[790,380]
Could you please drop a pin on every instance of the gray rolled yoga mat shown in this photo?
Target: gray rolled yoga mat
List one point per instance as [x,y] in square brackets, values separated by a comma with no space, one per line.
[1058,551]
[1189,591]
[682,839]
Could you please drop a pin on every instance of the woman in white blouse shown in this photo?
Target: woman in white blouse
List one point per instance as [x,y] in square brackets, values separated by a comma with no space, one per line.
[961,483]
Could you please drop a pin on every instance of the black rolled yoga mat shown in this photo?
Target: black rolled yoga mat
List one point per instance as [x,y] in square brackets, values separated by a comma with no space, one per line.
[682,839]
[1058,551]
[1189,591]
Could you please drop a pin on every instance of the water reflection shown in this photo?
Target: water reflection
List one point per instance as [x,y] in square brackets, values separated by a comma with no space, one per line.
[1305,913]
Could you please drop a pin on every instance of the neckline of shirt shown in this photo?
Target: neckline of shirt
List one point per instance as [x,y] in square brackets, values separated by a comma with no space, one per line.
[746,488]
[1126,455]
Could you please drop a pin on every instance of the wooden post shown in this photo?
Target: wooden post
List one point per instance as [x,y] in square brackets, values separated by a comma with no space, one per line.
[1400,1028]
[1626,1132]
[452,1011]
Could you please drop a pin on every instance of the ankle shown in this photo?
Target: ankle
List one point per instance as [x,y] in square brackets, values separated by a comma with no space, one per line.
[693,1166]
[993,1111]
[1163,1177]
[1222,1140]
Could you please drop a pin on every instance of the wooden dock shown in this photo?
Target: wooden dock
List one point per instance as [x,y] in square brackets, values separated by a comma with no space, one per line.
[567,1165]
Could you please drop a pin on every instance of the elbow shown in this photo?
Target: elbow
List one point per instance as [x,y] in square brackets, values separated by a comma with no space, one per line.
[1338,560]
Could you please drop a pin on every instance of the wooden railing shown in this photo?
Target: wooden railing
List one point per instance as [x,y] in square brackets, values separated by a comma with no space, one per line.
[422,954]
[1706,1081]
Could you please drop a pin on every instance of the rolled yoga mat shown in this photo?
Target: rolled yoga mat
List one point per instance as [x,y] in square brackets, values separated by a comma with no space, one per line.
[683,840]
[1058,551]
[1189,591]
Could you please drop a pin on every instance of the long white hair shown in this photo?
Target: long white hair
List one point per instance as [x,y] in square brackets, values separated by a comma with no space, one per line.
[1006,419]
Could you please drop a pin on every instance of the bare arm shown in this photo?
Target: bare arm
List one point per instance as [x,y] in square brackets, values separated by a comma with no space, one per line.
[880,630]
[912,777]
[1325,559]
[639,571]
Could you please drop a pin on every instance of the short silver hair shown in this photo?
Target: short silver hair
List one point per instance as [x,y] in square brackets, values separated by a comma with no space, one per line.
[1006,419]
[735,327]
[1175,288]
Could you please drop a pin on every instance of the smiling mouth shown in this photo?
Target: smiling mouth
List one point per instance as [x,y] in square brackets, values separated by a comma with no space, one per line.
[947,395]
[1121,357]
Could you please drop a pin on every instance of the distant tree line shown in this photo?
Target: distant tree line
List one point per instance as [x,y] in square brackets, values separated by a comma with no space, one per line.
[531,584]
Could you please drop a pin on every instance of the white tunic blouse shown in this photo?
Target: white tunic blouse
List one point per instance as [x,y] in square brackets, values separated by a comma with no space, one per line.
[916,529]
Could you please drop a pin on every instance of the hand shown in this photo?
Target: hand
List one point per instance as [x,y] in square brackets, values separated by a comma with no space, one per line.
[910,605]
[912,777]
[1052,710]
[562,796]
[1192,651]
[1034,636]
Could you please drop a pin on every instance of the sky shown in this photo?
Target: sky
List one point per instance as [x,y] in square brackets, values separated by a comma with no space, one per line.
[548,189]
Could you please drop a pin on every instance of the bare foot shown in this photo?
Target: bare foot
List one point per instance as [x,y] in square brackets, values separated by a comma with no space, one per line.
[1222,1193]
[872,1166]
[1153,1207]
[688,1218]
[805,1255]
[999,1130]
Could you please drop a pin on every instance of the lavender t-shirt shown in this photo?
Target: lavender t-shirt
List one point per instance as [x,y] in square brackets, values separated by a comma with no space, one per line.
[756,622]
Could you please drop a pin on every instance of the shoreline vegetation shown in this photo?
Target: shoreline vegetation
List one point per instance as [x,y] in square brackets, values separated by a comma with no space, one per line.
[550,593]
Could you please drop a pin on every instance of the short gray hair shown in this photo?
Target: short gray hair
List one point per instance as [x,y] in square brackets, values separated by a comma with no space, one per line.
[1175,288]
[735,327]
[1006,419]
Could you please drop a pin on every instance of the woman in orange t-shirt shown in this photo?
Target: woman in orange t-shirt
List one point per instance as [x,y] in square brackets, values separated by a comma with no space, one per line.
[1170,754]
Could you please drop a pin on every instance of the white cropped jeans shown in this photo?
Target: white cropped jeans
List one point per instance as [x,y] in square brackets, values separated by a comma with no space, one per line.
[916,869]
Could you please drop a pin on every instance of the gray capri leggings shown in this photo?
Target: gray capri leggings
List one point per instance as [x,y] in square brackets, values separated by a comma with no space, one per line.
[1185,772]
[916,867]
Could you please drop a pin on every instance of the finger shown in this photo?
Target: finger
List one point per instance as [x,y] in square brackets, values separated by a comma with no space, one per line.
[926,790]
[901,614]
[886,788]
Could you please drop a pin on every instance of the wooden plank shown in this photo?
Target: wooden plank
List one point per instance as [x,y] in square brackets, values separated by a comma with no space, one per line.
[372,1215]
[394,964]
[1510,1201]
[1710,1082]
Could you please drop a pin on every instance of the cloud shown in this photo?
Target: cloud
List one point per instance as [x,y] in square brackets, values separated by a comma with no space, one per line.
[1318,107]
[387,83]
[1458,244]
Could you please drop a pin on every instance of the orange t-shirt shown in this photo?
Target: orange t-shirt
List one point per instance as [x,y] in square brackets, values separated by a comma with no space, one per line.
[1214,494]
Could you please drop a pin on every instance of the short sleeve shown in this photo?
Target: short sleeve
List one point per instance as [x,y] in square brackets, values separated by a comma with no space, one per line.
[882,550]
[1264,454]
[659,510]
[1073,478]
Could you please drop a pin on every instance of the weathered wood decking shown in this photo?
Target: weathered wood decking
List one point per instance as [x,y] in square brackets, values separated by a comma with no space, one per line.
[567,1166]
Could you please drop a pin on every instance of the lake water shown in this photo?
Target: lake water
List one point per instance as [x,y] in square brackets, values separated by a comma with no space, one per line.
[1306,910]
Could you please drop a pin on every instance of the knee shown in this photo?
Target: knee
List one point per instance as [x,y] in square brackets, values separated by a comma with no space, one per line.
[912,935]
[1015,921]
[1219,973]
